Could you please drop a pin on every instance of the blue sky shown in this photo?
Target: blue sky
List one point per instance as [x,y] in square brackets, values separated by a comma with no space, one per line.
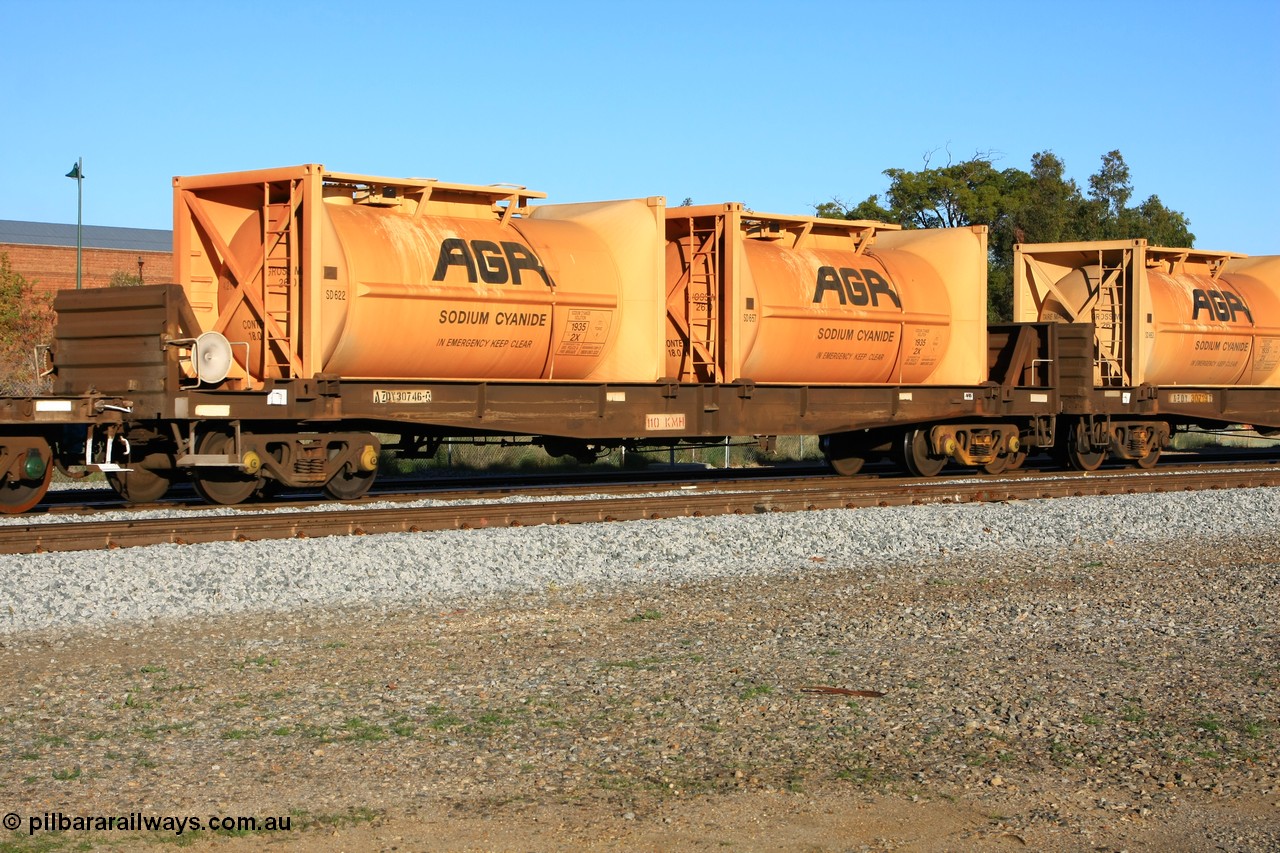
[778,105]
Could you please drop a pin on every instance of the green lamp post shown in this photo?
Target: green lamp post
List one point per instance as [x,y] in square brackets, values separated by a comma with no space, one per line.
[77,172]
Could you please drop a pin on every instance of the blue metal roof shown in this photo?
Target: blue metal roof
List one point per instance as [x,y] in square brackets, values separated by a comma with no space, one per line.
[95,236]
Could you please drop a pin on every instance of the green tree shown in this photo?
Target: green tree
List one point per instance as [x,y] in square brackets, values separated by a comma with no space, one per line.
[1109,216]
[1160,225]
[26,322]
[958,194]
[869,209]
[1109,192]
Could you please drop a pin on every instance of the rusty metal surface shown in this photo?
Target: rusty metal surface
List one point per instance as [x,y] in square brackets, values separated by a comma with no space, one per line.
[189,529]
[580,410]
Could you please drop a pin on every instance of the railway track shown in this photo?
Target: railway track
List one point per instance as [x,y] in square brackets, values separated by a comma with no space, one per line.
[472,509]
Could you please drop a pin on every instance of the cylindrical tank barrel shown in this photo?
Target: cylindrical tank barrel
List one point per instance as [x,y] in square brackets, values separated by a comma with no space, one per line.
[832,316]
[452,298]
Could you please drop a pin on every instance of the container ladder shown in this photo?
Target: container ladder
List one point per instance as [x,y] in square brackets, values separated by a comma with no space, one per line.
[702,264]
[1109,319]
[280,290]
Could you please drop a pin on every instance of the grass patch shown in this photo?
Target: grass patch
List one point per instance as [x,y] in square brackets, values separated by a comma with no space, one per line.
[358,729]
[239,734]
[43,842]
[645,616]
[260,660]
[132,702]
[1133,714]
[444,721]
[635,663]
[1253,729]
[350,817]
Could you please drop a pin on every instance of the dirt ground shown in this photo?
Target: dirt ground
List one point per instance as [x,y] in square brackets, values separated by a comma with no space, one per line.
[827,821]
[1111,701]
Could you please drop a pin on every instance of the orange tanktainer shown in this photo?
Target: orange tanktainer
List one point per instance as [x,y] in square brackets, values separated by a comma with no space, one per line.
[789,299]
[308,272]
[1161,316]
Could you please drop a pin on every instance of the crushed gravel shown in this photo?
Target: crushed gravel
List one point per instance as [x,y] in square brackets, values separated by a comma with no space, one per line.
[437,568]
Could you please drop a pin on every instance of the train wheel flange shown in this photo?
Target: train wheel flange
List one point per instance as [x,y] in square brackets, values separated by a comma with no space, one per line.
[1149,461]
[846,466]
[348,486]
[916,456]
[22,495]
[998,465]
[144,483]
[1079,456]
[1006,462]
[226,486]
[844,454]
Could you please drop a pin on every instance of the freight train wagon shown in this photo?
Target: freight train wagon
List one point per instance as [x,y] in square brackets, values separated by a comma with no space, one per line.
[41,433]
[1181,337]
[316,311]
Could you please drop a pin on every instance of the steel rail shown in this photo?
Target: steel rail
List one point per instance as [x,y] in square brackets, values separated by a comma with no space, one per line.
[245,525]
[581,483]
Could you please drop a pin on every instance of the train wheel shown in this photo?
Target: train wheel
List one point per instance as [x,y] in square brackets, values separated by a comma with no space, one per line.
[915,453]
[1006,462]
[347,486]
[846,466]
[144,483]
[268,489]
[1078,456]
[1149,461]
[22,495]
[845,455]
[226,486]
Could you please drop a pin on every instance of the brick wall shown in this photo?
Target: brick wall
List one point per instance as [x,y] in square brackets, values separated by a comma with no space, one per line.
[52,268]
